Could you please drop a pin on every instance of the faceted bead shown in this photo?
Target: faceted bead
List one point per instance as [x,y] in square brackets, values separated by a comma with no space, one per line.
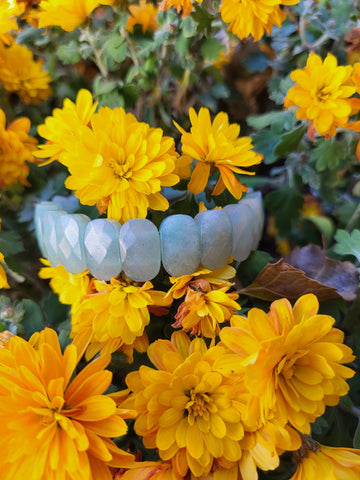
[48,223]
[243,236]
[254,200]
[140,249]
[102,248]
[216,238]
[180,245]
[70,232]
[40,209]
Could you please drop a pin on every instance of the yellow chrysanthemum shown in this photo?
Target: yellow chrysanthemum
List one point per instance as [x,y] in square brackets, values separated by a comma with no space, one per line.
[67,14]
[187,410]
[115,314]
[205,308]
[216,146]
[9,11]
[292,359]
[318,461]
[69,287]
[121,164]
[55,426]
[185,6]
[253,17]
[322,92]
[17,148]
[60,129]
[143,14]
[21,74]
[3,279]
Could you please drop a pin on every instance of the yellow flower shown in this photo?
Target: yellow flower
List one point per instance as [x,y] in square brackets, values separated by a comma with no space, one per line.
[21,74]
[9,10]
[187,410]
[3,279]
[205,308]
[60,426]
[215,145]
[17,148]
[69,287]
[318,461]
[253,17]
[67,14]
[292,359]
[121,164]
[143,14]
[185,5]
[115,314]
[322,92]
[60,129]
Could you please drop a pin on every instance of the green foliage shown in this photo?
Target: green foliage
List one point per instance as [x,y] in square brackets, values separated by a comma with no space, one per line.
[348,244]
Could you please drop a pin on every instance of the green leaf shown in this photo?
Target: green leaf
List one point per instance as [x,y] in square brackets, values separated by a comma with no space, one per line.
[69,53]
[265,143]
[285,204]
[289,141]
[261,121]
[189,27]
[211,49]
[328,154]
[204,19]
[278,90]
[324,224]
[348,244]
[33,320]
[10,243]
[115,51]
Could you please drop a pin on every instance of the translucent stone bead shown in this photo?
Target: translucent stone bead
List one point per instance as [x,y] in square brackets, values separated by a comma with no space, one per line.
[216,238]
[140,249]
[50,240]
[243,236]
[102,248]
[70,232]
[254,201]
[40,209]
[180,245]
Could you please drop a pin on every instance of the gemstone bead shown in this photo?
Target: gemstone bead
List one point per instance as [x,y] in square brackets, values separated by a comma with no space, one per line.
[40,209]
[70,231]
[216,238]
[102,248]
[50,240]
[140,249]
[243,237]
[180,245]
[254,201]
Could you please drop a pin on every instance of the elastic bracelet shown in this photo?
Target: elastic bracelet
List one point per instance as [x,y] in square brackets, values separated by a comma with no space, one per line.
[138,247]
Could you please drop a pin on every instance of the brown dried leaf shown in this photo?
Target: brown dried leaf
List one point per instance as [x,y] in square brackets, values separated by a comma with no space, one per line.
[316,273]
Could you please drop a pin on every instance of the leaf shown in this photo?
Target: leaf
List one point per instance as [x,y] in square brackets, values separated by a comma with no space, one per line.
[342,276]
[265,143]
[10,243]
[211,49]
[289,141]
[69,53]
[328,154]
[261,121]
[33,320]
[115,48]
[285,204]
[348,244]
[324,224]
[189,27]
[324,277]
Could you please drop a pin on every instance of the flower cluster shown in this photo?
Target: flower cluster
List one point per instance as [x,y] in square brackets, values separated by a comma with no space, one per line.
[17,148]
[21,74]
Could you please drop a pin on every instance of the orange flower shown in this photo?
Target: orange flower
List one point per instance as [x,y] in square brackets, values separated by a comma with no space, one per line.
[143,14]
[55,426]
[185,5]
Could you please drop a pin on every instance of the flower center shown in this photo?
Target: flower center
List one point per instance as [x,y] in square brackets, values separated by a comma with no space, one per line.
[121,168]
[323,94]
[198,405]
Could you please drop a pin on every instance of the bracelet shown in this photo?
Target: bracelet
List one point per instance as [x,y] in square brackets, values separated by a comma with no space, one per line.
[138,248]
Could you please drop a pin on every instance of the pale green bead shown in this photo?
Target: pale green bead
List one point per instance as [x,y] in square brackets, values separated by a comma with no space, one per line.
[180,245]
[243,235]
[40,209]
[215,229]
[102,248]
[70,232]
[140,249]
[48,223]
